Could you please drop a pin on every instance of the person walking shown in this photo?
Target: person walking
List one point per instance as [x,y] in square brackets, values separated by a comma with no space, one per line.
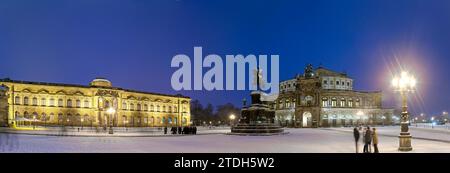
[356,135]
[367,140]
[165,130]
[375,140]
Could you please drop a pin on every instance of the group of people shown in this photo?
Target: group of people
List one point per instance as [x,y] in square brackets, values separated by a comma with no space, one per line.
[182,130]
[369,138]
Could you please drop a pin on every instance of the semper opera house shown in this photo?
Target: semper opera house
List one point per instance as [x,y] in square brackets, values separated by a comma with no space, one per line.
[325,98]
[96,104]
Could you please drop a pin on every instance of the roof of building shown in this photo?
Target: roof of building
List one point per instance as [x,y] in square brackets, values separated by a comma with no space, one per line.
[86,86]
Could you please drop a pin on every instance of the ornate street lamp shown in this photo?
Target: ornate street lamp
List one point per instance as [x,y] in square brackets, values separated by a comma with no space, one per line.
[111,111]
[404,84]
[232,117]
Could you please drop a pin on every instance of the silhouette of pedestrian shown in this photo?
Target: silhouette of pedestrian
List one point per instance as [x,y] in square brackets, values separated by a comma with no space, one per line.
[375,141]
[356,135]
[367,140]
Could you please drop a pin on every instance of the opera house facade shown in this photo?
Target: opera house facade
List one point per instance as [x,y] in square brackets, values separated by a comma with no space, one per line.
[324,98]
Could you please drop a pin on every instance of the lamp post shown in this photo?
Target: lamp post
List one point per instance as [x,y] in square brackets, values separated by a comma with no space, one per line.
[432,122]
[232,117]
[111,111]
[404,84]
[34,122]
[82,120]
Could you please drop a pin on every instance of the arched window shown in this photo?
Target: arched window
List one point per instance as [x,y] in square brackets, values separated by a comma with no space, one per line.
[342,104]
[132,106]
[170,109]
[152,108]
[86,104]
[25,101]
[52,102]
[52,117]
[69,103]
[43,102]
[287,103]
[357,103]
[17,100]
[309,100]
[164,109]
[145,107]
[35,116]
[170,120]
[163,120]
[124,120]
[157,108]
[152,120]
[293,103]
[106,105]
[78,103]
[34,101]
[350,103]
[175,109]
[86,118]
[333,102]
[60,103]
[324,102]
[25,114]
[44,117]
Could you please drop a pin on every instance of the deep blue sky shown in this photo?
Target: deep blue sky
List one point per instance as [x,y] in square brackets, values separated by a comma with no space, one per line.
[132,42]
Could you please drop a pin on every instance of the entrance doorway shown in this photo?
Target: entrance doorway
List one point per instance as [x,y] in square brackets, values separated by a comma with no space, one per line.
[307,119]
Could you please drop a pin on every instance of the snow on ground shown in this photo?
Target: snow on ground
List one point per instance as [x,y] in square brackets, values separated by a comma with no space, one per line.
[332,140]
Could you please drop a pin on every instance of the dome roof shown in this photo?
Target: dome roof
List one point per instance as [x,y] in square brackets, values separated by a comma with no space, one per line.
[101,82]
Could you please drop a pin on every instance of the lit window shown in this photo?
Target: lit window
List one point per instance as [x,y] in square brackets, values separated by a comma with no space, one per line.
[343,102]
[324,102]
[333,102]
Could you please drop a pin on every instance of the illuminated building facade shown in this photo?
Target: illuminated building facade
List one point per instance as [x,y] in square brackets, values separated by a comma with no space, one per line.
[324,98]
[76,105]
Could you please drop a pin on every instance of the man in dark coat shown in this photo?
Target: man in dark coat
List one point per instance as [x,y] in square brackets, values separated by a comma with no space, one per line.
[165,130]
[356,135]
[367,140]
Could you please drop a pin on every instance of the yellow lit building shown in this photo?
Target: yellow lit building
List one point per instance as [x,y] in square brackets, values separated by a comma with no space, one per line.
[88,105]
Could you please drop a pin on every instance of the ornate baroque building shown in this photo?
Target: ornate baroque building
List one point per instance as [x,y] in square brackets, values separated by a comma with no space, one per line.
[75,105]
[324,98]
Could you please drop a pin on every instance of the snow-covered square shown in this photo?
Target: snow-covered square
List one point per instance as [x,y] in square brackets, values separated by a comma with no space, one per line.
[321,140]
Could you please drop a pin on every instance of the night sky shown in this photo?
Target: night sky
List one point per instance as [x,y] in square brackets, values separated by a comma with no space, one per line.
[132,42]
